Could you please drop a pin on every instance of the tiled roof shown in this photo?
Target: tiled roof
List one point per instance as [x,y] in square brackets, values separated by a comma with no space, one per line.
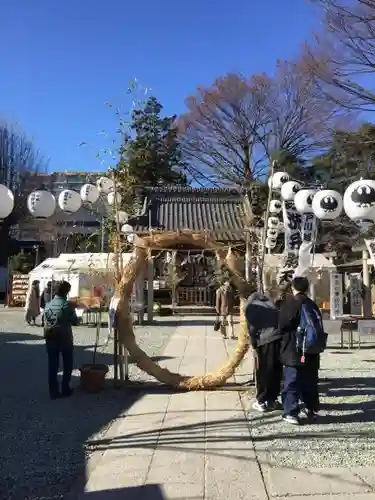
[219,211]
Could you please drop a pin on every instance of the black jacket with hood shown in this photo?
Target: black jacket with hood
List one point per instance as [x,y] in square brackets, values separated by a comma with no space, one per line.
[263,319]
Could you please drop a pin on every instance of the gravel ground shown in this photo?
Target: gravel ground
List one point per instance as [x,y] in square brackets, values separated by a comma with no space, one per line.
[42,442]
[344,434]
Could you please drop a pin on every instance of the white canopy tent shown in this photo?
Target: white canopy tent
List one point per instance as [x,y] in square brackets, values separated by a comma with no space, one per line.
[87,273]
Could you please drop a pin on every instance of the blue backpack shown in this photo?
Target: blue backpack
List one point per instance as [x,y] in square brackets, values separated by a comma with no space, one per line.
[311,337]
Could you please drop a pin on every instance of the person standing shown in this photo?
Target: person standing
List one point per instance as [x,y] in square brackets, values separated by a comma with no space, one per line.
[225,307]
[32,303]
[46,296]
[59,317]
[302,341]
[263,320]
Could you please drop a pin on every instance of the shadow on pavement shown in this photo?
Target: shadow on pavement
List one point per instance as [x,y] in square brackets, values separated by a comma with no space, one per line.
[43,442]
[145,492]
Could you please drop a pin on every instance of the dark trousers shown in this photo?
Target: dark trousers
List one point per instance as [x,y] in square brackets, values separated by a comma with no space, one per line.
[268,372]
[301,383]
[54,350]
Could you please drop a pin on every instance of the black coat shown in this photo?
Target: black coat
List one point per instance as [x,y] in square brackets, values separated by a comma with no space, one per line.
[262,318]
[289,320]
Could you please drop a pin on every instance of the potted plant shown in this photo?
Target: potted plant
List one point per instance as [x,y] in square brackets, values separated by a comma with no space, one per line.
[93,374]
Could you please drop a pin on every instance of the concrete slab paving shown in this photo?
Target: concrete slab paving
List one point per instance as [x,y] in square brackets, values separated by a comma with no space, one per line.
[198,445]
[333,481]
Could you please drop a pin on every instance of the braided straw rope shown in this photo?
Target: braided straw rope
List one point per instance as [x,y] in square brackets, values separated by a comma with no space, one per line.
[135,266]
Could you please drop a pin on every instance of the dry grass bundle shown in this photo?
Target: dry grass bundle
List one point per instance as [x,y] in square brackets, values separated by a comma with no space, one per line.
[172,240]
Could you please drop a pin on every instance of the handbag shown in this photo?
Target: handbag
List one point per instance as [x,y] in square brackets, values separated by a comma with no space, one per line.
[217,324]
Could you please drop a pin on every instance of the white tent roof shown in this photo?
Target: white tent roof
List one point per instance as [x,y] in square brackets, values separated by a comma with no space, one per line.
[81,263]
[274,261]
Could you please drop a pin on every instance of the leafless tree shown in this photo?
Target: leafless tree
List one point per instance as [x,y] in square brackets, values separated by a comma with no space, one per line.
[343,56]
[233,128]
[19,161]
[219,132]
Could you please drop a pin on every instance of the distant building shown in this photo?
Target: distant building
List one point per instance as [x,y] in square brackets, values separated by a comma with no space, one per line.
[61,224]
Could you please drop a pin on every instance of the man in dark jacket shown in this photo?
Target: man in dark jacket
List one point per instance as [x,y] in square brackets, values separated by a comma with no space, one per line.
[59,316]
[300,372]
[262,318]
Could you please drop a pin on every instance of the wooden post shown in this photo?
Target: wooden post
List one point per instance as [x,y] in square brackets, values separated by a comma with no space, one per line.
[115,356]
[150,289]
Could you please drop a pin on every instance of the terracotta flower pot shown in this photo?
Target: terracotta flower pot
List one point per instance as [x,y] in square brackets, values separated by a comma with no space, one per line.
[92,377]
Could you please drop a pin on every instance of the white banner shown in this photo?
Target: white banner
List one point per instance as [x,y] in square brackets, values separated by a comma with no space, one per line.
[355,289]
[336,295]
[292,242]
[308,237]
[371,249]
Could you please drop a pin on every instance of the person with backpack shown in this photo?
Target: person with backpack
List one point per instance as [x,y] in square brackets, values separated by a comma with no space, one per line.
[302,341]
[262,319]
[59,317]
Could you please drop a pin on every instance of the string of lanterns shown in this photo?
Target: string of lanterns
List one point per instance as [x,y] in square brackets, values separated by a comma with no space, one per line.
[358,203]
[42,204]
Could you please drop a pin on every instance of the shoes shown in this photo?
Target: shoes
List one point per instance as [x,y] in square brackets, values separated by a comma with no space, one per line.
[290,419]
[274,406]
[54,395]
[311,415]
[67,393]
[261,407]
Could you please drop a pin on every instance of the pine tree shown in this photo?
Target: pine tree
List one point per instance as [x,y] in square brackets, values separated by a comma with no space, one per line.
[151,154]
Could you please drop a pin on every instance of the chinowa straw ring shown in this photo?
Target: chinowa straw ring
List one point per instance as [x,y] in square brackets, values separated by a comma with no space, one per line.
[126,337]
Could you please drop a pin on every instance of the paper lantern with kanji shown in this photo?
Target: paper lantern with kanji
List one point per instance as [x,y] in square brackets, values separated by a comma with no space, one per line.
[89,193]
[41,204]
[69,201]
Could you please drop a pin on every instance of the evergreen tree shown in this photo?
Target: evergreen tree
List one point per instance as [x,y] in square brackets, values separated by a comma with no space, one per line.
[151,154]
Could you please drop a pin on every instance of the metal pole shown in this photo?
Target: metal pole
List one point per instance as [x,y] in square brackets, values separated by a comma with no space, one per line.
[102,234]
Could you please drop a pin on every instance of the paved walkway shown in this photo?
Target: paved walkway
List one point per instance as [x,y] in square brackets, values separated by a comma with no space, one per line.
[198,446]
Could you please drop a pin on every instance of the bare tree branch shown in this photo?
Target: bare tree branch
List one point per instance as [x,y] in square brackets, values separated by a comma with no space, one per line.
[343,55]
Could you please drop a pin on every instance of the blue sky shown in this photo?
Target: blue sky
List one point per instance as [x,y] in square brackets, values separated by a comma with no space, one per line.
[61,60]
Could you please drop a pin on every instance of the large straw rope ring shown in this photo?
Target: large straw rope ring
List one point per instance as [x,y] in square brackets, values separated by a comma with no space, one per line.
[137,264]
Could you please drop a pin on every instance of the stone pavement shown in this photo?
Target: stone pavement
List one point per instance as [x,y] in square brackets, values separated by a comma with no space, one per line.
[197,446]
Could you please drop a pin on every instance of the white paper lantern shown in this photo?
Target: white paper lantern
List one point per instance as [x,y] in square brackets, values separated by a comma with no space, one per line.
[275,206]
[105,185]
[272,234]
[289,190]
[89,193]
[273,223]
[41,204]
[327,204]
[111,198]
[303,200]
[122,217]
[359,200]
[127,229]
[6,201]
[69,201]
[270,243]
[277,180]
